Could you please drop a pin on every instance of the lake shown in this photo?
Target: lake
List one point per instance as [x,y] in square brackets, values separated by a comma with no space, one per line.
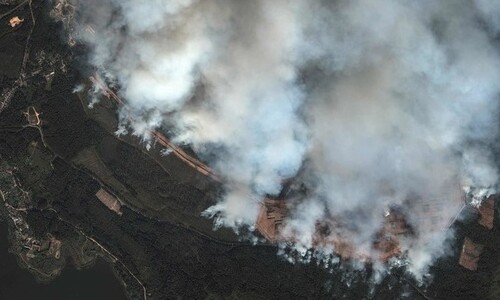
[94,283]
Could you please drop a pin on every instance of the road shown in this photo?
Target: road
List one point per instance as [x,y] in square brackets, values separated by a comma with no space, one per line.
[160,137]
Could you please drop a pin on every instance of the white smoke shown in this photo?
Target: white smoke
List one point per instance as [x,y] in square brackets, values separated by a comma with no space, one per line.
[376,102]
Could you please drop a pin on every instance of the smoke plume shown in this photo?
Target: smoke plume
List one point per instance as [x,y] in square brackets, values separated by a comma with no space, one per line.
[366,104]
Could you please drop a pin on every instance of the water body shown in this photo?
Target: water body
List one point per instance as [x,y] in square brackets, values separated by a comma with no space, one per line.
[95,283]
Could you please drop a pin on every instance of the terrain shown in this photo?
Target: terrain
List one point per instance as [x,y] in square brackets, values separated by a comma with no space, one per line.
[160,247]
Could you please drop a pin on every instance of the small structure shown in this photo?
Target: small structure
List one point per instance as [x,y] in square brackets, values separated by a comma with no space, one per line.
[33,117]
[55,247]
[110,201]
[15,21]
[470,255]
[487,213]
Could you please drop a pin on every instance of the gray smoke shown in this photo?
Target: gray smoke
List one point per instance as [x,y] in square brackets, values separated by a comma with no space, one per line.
[374,102]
